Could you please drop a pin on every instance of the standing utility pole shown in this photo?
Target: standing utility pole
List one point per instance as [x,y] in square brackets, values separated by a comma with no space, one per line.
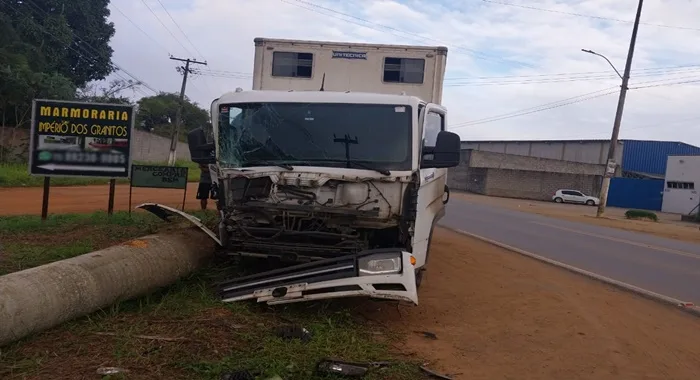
[618,115]
[178,114]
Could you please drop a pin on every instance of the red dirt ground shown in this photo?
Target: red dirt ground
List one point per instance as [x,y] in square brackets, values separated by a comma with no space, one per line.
[77,199]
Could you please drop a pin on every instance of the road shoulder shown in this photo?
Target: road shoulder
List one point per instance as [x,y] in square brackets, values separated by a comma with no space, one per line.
[501,315]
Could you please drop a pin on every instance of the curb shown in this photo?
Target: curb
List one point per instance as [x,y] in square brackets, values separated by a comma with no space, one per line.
[687,307]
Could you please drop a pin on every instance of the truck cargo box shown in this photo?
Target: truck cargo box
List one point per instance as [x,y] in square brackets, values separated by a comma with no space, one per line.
[334,66]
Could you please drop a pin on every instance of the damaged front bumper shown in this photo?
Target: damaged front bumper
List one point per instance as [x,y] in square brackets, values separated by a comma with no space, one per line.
[387,273]
[382,273]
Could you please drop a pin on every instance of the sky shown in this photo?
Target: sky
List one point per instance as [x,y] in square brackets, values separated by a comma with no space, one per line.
[515,69]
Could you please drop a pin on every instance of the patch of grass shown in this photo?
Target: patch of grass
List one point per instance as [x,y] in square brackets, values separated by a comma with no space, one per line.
[641,214]
[17,175]
[56,223]
[206,339]
[27,241]
[203,337]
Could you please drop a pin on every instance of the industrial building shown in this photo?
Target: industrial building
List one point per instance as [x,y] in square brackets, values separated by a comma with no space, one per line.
[520,176]
[680,194]
[580,164]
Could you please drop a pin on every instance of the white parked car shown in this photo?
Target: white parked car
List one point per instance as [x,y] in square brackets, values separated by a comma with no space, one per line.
[574,196]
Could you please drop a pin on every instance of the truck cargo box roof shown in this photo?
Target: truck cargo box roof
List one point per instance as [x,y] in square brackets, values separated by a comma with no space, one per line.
[261,40]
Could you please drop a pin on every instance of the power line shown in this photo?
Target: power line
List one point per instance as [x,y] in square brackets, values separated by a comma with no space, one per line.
[647,126]
[138,27]
[533,108]
[225,74]
[472,123]
[228,72]
[646,71]
[517,79]
[667,79]
[557,104]
[573,78]
[156,42]
[173,35]
[181,31]
[393,31]
[166,28]
[666,84]
[587,16]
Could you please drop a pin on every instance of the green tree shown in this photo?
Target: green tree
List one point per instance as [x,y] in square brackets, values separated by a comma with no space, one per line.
[158,113]
[72,36]
[22,77]
[48,48]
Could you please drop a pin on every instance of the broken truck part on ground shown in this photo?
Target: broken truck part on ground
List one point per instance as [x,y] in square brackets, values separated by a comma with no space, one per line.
[342,175]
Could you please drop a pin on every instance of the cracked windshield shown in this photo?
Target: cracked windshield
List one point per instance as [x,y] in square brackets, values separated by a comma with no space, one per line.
[255,134]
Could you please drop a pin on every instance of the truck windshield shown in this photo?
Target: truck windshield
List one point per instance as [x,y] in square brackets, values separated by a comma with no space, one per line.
[319,134]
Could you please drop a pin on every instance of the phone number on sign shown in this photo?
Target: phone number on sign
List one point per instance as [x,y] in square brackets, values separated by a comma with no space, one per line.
[89,158]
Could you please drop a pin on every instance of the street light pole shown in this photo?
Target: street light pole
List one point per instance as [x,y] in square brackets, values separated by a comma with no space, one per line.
[605,186]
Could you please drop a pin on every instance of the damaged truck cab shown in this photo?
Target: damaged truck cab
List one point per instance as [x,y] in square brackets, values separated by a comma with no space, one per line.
[328,167]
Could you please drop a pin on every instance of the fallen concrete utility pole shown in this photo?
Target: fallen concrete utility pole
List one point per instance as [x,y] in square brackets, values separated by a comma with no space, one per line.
[36,299]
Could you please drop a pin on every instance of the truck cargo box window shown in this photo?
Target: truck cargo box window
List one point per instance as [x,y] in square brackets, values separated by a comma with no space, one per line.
[404,70]
[292,65]
[324,134]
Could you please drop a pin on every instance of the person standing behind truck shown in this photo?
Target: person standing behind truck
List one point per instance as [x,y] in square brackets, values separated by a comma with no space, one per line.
[204,190]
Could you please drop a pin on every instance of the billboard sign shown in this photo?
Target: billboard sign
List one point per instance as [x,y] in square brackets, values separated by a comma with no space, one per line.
[81,139]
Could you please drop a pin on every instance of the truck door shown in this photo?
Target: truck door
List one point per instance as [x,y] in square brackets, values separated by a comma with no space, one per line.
[432,183]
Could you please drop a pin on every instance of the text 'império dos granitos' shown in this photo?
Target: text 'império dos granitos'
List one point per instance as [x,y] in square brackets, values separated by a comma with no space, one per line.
[89,121]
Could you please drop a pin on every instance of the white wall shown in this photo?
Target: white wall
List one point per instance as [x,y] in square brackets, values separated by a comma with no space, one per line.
[682,184]
[589,151]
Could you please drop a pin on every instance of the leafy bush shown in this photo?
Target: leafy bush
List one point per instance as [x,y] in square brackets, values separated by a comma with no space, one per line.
[641,214]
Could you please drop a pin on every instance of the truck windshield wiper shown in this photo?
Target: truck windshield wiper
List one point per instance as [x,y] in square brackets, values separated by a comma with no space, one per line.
[353,162]
[270,163]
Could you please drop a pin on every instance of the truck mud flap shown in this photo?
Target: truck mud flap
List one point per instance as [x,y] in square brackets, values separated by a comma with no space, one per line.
[167,213]
[323,279]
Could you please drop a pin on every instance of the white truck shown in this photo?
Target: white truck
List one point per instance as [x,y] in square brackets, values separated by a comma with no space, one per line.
[335,162]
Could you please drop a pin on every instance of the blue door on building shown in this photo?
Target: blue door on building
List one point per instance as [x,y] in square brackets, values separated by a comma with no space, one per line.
[645,194]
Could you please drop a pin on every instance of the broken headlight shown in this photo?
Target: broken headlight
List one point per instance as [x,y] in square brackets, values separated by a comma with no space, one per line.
[381,263]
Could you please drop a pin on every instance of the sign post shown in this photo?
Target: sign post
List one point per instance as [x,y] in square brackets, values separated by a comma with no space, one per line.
[45,198]
[110,200]
[80,139]
[159,177]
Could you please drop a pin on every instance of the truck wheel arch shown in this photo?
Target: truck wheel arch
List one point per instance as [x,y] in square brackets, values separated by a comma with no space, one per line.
[419,273]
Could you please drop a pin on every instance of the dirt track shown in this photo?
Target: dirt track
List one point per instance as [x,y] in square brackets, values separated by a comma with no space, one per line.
[498,315]
[75,199]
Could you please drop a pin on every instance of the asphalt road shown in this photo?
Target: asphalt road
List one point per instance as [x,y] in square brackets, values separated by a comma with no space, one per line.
[664,266]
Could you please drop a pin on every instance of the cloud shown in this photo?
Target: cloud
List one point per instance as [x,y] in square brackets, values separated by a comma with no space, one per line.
[502,58]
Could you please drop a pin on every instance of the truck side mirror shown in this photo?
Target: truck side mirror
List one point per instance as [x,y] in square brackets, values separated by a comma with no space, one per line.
[445,153]
[201,152]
